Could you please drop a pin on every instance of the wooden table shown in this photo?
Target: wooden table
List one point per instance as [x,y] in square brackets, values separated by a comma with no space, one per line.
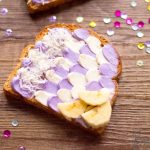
[129,128]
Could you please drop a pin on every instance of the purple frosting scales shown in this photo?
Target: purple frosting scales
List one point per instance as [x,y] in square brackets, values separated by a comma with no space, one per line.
[81,34]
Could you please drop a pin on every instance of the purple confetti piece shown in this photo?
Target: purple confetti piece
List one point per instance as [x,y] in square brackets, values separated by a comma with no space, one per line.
[52,19]
[8,32]
[3,11]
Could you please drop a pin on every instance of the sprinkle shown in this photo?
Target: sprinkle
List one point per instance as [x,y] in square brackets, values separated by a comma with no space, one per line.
[141,46]
[118,13]
[14,123]
[140,34]
[148,7]
[8,32]
[129,21]
[6,134]
[133,3]
[3,11]
[135,27]
[140,63]
[110,32]
[124,16]
[107,20]
[140,24]
[147,43]
[149,20]
[117,24]
[92,24]
[22,148]
[52,19]
[147,0]
[79,19]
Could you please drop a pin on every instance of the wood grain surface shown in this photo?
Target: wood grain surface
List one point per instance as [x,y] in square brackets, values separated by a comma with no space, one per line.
[129,128]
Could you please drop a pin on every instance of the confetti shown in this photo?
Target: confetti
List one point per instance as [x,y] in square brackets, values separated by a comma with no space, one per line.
[6,134]
[135,27]
[149,20]
[141,46]
[110,32]
[133,3]
[79,19]
[140,24]
[52,19]
[140,63]
[129,21]
[107,20]
[124,16]
[117,24]
[3,11]
[118,13]
[148,7]
[147,43]
[8,32]
[147,0]
[22,148]
[14,123]
[92,24]
[147,50]
[140,34]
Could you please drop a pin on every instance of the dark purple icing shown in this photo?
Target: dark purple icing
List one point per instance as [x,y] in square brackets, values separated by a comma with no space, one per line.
[93,86]
[51,87]
[26,62]
[41,46]
[16,86]
[107,83]
[108,70]
[61,71]
[86,50]
[81,34]
[69,54]
[52,103]
[65,84]
[78,68]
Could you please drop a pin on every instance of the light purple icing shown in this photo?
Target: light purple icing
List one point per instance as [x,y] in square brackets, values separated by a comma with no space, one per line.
[61,71]
[93,86]
[52,103]
[108,70]
[65,84]
[107,83]
[51,87]
[78,68]
[16,86]
[26,62]
[81,34]
[86,50]
[72,56]
[41,46]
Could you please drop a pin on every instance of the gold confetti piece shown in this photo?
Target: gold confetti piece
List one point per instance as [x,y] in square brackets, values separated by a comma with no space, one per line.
[92,24]
[140,63]
[79,19]
[141,46]
[148,7]
[147,0]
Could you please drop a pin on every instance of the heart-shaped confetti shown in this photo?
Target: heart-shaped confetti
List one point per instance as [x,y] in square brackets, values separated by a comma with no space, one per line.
[110,32]
[148,50]
[124,16]
[133,3]
[140,34]
[135,27]
[107,20]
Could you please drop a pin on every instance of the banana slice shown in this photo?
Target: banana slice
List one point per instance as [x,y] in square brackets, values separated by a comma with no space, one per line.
[95,98]
[42,97]
[52,76]
[76,90]
[98,116]
[93,75]
[87,62]
[72,109]
[77,79]
[64,95]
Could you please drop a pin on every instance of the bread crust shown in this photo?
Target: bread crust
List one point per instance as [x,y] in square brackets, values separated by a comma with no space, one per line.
[33,7]
[10,92]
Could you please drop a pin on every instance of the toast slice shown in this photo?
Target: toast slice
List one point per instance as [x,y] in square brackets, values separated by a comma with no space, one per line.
[71,72]
[41,5]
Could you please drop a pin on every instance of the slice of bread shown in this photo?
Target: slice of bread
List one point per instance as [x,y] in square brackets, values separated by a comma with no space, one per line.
[86,124]
[39,5]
